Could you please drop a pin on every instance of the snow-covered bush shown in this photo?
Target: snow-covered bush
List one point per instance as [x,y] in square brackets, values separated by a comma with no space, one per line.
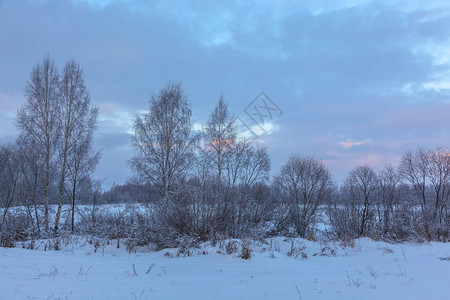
[14,227]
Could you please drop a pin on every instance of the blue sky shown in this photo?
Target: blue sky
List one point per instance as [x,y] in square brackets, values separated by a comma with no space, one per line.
[359,82]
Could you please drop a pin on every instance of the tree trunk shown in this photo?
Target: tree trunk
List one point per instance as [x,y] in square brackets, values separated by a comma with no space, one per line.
[73,203]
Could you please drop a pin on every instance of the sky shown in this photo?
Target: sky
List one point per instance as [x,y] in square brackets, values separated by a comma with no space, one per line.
[349,82]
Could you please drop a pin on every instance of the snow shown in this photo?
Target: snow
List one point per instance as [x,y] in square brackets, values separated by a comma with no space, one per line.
[368,270]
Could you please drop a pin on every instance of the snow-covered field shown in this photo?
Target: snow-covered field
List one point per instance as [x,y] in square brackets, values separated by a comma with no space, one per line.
[313,270]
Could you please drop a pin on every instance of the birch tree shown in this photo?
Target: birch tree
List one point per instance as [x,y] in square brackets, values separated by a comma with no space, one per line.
[77,120]
[162,142]
[37,119]
[219,137]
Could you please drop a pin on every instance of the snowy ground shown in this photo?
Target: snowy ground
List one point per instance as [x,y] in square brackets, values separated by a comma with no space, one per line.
[369,270]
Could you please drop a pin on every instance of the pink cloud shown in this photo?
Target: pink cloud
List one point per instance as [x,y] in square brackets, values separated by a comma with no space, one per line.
[349,144]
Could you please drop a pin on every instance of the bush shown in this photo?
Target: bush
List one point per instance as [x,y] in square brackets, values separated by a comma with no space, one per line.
[14,228]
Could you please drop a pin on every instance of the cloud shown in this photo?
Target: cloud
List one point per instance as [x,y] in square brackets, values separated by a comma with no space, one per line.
[349,144]
[341,71]
[120,121]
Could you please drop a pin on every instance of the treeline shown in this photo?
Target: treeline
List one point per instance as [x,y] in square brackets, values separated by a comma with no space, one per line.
[198,185]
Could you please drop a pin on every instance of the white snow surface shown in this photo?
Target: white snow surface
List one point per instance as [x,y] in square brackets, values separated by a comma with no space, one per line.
[368,270]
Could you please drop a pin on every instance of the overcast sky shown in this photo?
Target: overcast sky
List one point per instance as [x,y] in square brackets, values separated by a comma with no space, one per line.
[358,82]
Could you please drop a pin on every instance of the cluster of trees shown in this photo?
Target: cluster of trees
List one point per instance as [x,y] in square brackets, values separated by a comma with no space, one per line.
[202,184]
[213,182]
[396,203]
[52,159]
[168,152]
[204,181]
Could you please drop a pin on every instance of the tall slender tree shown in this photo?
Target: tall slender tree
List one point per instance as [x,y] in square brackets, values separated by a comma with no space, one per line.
[219,136]
[37,119]
[77,120]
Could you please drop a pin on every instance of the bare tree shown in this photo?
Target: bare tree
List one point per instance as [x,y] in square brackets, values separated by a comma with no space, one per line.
[219,138]
[83,160]
[257,166]
[388,196]
[37,119]
[428,172]
[439,175]
[246,163]
[31,165]
[77,121]
[163,142]
[12,223]
[238,160]
[306,184]
[360,190]
[9,177]
[414,168]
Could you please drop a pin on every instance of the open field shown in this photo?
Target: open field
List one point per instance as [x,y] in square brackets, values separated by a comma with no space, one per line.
[279,268]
